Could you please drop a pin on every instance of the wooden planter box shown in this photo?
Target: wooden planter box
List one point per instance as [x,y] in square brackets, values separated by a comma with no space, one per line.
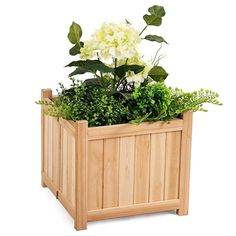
[120,170]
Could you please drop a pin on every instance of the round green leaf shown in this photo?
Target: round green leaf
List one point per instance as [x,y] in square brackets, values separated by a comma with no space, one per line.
[75,33]
[152,20]
[158,74]
[157,11]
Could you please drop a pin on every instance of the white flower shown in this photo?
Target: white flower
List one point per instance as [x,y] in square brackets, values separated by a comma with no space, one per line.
[112,41]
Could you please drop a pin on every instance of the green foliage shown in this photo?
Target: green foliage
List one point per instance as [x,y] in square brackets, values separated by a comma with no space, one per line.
[158,74]
[74,36]
[149,102]
[155,38]
[152,102]
[83,102]
[155,17]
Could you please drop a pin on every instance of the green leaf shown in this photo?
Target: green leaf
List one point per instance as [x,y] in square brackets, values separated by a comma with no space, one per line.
[90,66]
[76,49]
[121,70]
[155,38]
[152,20]
[158,74]
[157,11]
[78,71]
[75,33]
[127,22]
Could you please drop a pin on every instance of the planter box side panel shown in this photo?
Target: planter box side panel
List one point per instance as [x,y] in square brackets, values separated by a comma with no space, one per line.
[133,170]
[59,160]
[51,153]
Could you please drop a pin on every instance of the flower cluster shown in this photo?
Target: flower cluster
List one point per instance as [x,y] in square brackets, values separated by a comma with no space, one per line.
[112,55]
[112,41]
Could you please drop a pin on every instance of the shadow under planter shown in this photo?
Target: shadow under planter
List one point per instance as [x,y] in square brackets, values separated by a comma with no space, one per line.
[114,171]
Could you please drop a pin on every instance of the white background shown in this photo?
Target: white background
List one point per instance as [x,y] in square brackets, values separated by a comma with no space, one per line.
[33,52]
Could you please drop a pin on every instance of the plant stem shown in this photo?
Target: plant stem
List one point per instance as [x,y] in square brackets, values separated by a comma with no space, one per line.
[143,30]
[158,50]
[115,74]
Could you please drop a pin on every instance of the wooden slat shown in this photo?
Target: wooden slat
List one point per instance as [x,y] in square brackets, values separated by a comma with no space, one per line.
[133,210]
[68,125]
[56,152]
[68,206]
[123,130]
[46,143]
[126,171]
[142,159]
[69,168]
[64,162]
[45,93]
[111,173]
[73,163]
[185,163]
[173,142]
[50,147]
[48,182]
[81,177]
[95,174]
[157,167]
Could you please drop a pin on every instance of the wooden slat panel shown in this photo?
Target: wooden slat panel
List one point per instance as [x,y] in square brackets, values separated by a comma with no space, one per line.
[45,94]
[56,152]
[111,172]
[64,161]
[173,141]
[157,167]
[136,209]
[185,163]
[142,159]
[50,147]
[46,133]
[126,171]
[69,167]
[95,174]
[125,130]
[73,162]
[81,176]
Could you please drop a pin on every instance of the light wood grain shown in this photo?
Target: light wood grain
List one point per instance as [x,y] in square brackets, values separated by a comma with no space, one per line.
[45,93]
[157,167]
[81,179]
[56,151]
[73,163]
[185,164]
[64,162]
[111,172]
[69,167]
[136,209]
[50,147]
[173,142]
[125,130]
[68,206]
[142,159]
[126,171]
[95,174]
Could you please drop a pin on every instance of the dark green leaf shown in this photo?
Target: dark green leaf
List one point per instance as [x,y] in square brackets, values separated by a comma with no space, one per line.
[78,71]
[155,38]
[127,22]
[93,82]
[89,66]
[76,63]
[75,33]
[152,20]
[76,49]
[158,74]
[121,70]
[94,65]
[157,11]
